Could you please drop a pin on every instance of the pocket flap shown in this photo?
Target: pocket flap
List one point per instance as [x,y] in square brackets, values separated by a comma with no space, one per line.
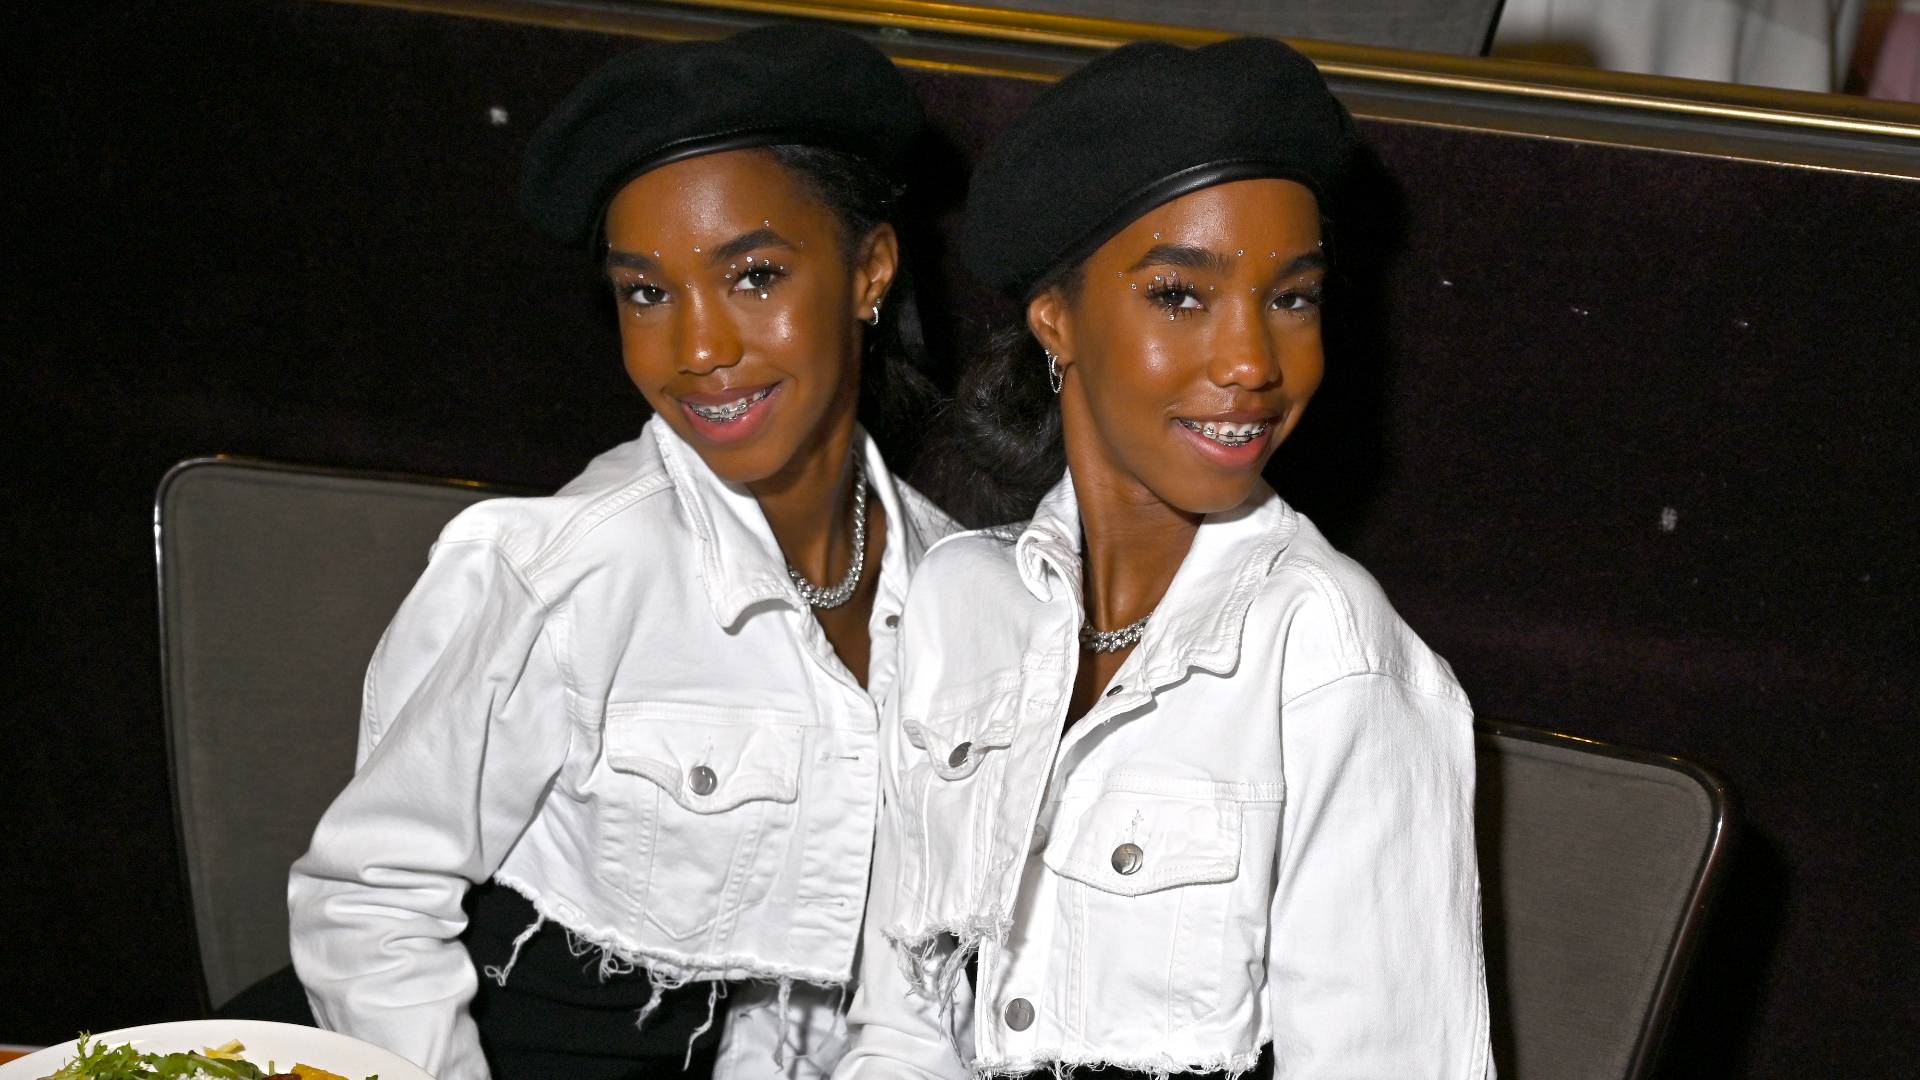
[1132,842]
[705,764]
[957,737]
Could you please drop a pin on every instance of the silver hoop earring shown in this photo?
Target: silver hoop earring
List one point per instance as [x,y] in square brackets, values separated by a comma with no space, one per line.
[875,321]
[1053,370]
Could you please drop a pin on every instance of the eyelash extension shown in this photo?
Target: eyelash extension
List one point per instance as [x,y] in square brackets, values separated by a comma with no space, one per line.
[775,274]
[626,293]
[1168,293]
[739,278]
[1315,297]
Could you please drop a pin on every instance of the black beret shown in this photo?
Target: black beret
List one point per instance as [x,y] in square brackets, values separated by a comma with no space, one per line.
[1142,125]
[666,101]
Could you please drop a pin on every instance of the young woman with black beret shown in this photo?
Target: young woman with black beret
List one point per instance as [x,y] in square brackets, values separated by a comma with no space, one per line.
[1171,789]
[640,713]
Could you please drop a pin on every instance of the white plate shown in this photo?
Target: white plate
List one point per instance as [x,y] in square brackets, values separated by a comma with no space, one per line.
[282,1044]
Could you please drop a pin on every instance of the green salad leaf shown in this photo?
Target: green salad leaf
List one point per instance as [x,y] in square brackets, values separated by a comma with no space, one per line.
[98,1061]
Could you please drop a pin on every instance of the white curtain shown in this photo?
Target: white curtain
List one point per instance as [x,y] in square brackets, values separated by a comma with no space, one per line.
[1793,44]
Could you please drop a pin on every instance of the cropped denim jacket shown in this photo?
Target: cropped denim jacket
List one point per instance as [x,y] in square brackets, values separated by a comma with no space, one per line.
[614,702]
[1261,832]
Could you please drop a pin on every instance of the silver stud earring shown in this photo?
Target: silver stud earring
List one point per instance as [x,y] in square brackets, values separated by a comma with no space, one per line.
[1053,370]
[875,321]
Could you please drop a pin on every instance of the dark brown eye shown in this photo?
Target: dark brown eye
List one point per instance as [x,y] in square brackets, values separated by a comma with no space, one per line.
[1298,301]
[758,277]
[642,293]
[1175,297]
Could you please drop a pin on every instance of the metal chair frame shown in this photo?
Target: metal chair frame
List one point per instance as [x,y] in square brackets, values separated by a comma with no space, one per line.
[177,778]
[1709,870]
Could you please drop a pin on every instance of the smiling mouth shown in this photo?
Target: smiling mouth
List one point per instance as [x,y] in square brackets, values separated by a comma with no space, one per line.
[1227,434]
[730,411]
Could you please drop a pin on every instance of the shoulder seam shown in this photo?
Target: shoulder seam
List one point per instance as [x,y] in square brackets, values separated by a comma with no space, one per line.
[1322,582]
[595,514]
[506,559]
[1445,693]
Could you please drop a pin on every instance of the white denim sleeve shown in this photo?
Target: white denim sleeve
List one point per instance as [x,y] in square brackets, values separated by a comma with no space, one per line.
[1374,960]
[798,1035]
[465,725]
[897,1033]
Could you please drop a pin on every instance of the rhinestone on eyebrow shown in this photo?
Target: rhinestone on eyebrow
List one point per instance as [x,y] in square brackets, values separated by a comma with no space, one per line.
[1240,252]
[1156,236]
[1135,285]
[696,251]
[1273,254]
[767,222]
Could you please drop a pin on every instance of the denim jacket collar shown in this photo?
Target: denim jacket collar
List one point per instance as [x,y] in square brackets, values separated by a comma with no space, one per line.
[1198,623]
[740,561]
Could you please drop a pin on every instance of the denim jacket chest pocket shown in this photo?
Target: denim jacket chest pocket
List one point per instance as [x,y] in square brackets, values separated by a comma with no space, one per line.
[957,736]
[1171,878]
[955,767]
[716,794]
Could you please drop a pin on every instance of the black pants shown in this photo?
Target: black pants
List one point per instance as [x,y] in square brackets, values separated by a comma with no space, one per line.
[555,1017]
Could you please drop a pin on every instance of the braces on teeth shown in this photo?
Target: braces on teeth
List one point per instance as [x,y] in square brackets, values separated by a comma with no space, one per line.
[727,414]
[1228,434]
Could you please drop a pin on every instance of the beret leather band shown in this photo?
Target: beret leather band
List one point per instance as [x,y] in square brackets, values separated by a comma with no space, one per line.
[664,102]
[745,138]
[1135,128]
[1165,190]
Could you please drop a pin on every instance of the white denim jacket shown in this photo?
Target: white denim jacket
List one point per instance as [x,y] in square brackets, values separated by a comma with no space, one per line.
[1261,832]
[614,702]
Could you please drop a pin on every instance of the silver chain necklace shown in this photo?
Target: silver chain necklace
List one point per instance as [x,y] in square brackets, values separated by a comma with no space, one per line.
[1106,641]
[833,597]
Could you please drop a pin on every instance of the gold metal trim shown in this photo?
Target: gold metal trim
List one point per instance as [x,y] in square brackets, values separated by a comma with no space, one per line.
[1034,27]
[1372,65]
[1721,101]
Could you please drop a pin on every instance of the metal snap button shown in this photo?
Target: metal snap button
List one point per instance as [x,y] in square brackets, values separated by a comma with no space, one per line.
[1128,858]
[1113,691]
[959,755]
[1019,1014]
[702,780]
[893,621]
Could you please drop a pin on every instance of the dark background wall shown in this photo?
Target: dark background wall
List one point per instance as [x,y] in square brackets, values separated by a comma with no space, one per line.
[1627,435]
